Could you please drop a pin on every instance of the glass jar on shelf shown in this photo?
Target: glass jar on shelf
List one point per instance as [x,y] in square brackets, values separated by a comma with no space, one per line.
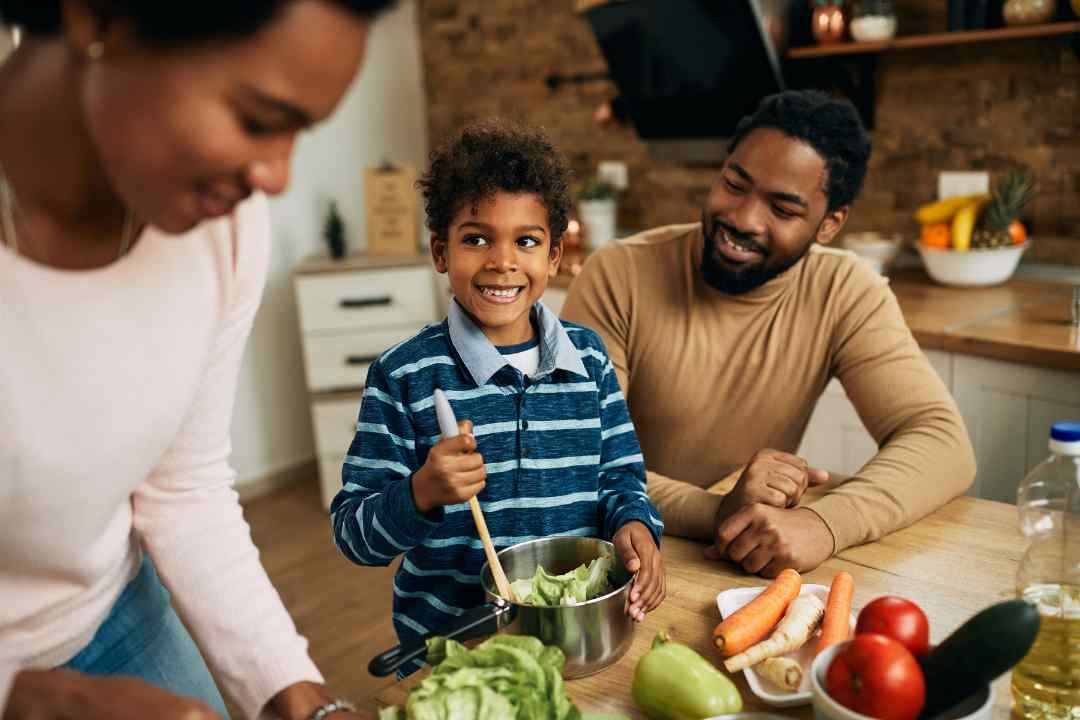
[873,20]
[828,23]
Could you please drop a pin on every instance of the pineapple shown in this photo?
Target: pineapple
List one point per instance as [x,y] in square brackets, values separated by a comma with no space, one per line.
[1012,193]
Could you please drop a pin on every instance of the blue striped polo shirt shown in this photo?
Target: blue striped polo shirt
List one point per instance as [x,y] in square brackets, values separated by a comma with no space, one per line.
[559,450]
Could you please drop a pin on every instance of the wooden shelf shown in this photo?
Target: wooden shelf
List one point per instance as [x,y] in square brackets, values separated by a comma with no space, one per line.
[936,40]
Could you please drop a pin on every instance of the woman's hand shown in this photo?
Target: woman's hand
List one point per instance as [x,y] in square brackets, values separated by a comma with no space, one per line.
[70,695]
[300,700]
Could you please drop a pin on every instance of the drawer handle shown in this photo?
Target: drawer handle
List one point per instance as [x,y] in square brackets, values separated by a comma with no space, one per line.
[360,359]
[350,303]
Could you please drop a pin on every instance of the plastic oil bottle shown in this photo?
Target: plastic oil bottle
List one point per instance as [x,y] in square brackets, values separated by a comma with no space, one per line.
[1046,683]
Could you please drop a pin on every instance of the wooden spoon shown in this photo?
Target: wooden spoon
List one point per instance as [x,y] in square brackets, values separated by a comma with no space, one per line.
[449,427]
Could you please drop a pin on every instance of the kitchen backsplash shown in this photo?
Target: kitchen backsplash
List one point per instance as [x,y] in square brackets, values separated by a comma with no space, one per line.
[985,106]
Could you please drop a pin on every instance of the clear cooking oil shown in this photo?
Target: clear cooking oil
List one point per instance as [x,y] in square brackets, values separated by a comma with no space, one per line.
[1046,683]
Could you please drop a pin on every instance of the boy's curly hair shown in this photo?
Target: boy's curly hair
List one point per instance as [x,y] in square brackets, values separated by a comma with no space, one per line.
[493,155]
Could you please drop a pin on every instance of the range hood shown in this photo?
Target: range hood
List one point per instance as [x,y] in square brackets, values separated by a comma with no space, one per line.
[688,70]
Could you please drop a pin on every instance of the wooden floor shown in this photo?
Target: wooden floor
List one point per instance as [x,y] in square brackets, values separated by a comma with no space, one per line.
[342,609]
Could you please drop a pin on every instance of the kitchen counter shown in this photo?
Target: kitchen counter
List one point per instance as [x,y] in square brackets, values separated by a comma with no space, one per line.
[952,563]
[1022,321]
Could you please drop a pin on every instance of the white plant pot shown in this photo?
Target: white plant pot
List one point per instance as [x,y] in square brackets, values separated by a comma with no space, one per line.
[598,220]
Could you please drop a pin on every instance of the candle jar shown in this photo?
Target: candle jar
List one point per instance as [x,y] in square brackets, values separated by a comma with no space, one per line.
[873,21]
[828,22]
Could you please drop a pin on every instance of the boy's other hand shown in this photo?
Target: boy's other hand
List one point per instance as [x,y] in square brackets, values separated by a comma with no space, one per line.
[772,477]
[640,554]
[452,473]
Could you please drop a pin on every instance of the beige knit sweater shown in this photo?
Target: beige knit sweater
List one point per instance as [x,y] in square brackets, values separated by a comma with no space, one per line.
[710,378]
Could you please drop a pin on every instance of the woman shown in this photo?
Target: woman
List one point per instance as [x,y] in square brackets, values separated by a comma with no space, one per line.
[137,138]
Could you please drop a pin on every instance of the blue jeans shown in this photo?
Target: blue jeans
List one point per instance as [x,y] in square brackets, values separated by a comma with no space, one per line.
[143,637]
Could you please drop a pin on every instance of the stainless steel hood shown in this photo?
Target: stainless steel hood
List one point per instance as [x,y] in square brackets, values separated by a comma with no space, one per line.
[688,70]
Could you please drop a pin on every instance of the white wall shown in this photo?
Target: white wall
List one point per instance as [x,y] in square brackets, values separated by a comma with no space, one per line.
[382,117]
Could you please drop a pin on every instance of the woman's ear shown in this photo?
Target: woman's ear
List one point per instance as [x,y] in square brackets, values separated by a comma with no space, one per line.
[438,253]
[831,224]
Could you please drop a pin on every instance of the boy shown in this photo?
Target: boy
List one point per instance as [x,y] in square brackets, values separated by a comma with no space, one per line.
[548,445]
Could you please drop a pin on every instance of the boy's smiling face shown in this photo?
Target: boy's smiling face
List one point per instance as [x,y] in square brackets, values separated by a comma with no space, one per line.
[499,257]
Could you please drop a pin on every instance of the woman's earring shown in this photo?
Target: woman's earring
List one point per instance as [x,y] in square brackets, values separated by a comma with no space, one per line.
[95,50]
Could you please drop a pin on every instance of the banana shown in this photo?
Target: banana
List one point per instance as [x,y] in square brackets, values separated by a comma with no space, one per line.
[944,210]
[963,225]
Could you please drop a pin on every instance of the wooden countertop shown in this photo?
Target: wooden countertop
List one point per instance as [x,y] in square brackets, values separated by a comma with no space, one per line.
[322,263]
[1020,321]
[952,563]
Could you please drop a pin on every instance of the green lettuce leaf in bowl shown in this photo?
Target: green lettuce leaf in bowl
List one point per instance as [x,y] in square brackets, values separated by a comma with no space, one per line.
[583,583]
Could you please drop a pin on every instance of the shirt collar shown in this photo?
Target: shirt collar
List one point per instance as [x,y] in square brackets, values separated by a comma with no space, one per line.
[483,360]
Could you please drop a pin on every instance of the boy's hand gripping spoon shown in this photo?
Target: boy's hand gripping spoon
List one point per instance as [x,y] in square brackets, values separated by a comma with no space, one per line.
[449,428]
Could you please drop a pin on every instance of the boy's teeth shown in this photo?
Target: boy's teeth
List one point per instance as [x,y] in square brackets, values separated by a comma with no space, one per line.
[510,292]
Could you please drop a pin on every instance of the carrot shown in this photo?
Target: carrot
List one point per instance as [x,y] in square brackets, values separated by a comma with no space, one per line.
[802,618]
[836,627]
[753,621]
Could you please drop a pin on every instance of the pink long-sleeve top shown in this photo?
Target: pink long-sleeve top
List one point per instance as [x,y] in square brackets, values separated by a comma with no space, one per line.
[116,395]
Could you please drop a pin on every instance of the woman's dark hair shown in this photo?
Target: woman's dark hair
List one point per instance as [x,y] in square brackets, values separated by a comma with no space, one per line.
[493,155]
[832,127]
[171,21]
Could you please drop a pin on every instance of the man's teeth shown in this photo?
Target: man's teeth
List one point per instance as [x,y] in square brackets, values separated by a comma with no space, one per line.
[498,292]
[736,244]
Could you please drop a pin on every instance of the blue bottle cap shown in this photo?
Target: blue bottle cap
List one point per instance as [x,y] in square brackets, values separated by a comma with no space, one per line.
[1065,431]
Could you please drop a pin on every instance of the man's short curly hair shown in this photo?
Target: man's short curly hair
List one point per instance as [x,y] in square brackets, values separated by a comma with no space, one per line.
[832,127]
[491,156]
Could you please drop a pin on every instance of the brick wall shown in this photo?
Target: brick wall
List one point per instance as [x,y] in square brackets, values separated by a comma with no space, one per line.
[986,106]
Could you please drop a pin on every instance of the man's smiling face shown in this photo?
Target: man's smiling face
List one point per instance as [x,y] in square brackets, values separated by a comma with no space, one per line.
[765,210]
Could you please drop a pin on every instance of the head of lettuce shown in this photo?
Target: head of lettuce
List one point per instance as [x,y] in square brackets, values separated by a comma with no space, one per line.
[506,677]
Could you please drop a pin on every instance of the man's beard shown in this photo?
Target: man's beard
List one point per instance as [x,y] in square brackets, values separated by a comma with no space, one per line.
[737,282]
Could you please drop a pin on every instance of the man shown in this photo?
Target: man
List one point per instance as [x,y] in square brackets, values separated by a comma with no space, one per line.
[724,334]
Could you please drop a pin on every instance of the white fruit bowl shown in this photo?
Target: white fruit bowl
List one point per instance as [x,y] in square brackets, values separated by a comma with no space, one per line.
[974,268]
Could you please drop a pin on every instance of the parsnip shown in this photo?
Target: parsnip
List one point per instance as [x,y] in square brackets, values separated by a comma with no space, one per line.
[781,671]
[802,618]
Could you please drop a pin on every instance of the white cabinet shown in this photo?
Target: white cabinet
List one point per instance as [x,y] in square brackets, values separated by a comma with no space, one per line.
[835,438]
[1008,409]
[350,312]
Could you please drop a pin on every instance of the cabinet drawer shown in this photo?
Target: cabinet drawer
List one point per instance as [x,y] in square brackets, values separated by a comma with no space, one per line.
[369,299]
[335,425]
[341,361]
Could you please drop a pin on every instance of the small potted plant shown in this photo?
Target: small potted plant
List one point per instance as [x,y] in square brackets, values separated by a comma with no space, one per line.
[597,206]
[334,232]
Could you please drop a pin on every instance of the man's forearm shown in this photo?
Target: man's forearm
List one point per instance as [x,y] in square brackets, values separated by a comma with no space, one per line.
[917,471]
[687,510]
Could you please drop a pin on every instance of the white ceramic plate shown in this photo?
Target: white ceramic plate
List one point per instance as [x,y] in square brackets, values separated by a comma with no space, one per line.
[731,600]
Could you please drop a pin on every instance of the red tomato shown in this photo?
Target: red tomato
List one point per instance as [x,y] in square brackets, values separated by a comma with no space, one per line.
[877,676]
[899,619]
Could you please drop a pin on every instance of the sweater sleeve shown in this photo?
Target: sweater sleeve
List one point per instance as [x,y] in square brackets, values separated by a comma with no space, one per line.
[925,457]
[373,516]
[623,495]
[602,298]
[190,519]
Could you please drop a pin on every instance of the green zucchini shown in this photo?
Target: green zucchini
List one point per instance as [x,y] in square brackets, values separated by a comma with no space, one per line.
[984,647]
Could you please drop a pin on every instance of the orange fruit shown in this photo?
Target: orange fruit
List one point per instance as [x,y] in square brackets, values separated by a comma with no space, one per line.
[1017,232]
[936,235]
